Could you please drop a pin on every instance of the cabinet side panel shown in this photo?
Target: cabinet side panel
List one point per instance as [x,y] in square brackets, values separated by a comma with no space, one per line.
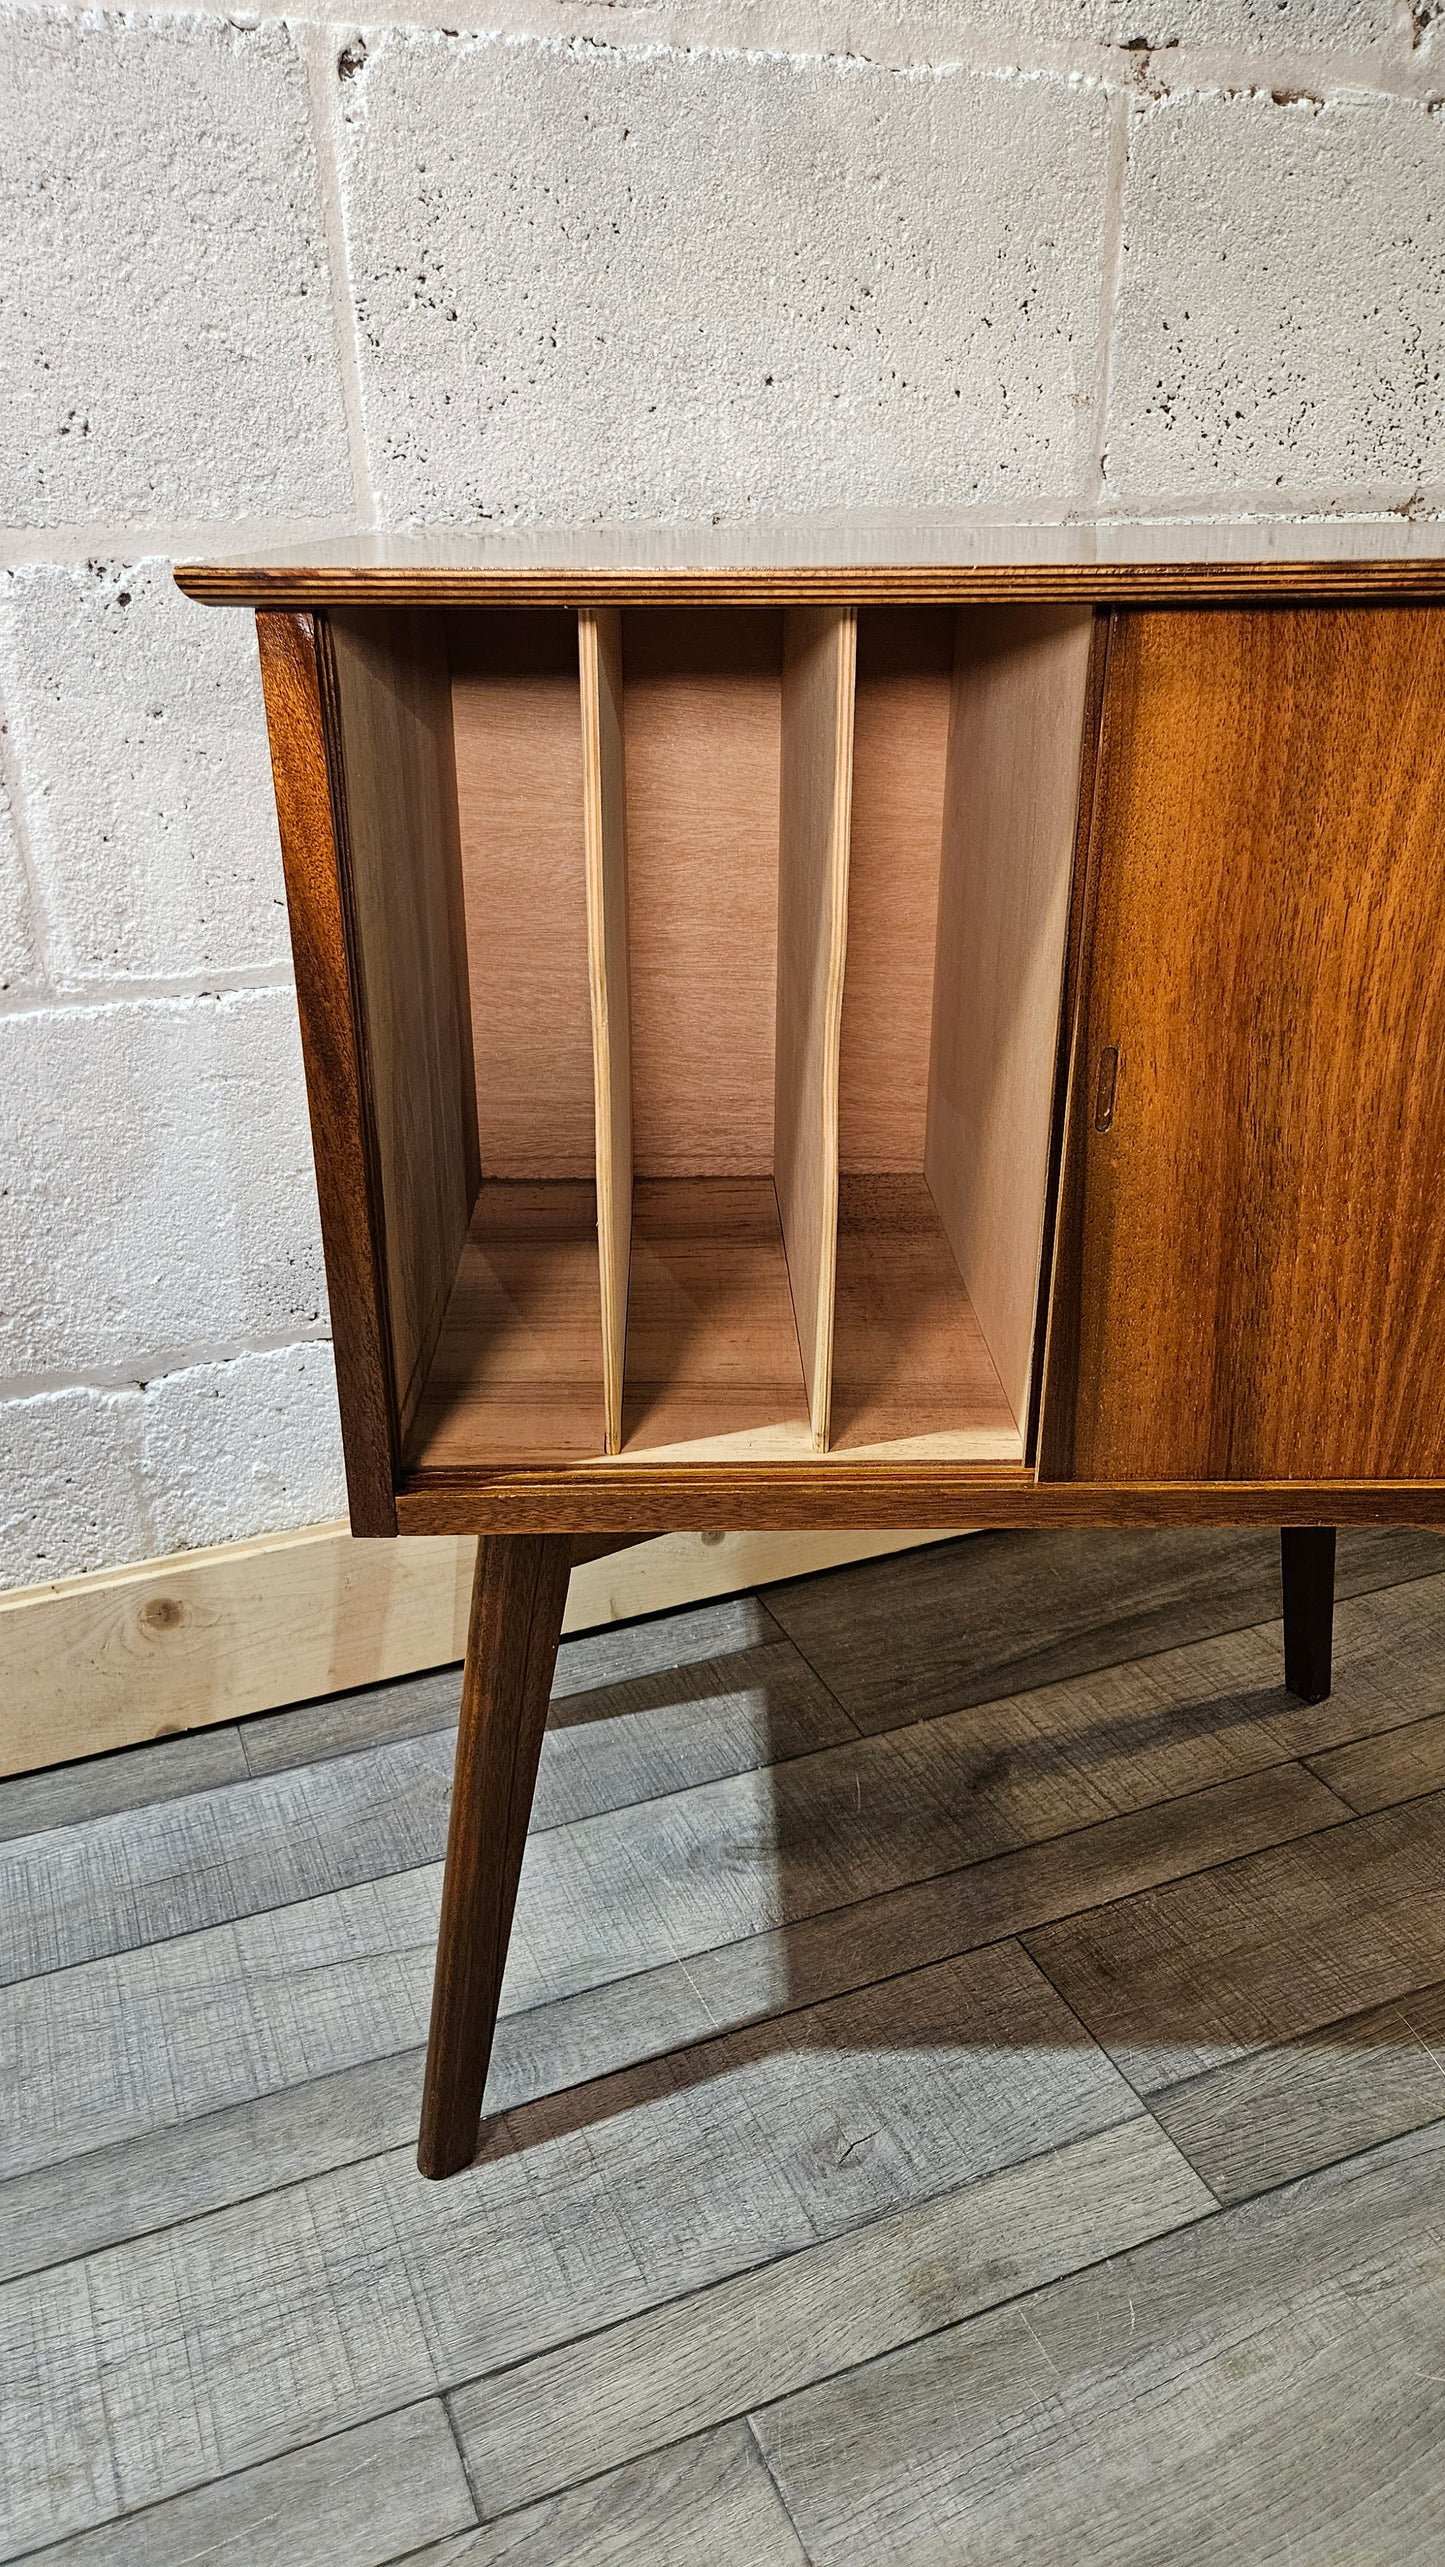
[1261,1113]
[599,642]
[1015,744]
[819,654]
[295,675]
[394,696]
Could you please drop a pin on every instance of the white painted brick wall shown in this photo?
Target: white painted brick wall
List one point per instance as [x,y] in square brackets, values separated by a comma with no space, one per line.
[139,745]
[728,283]
[664,256]
[1281,322]
[168,347]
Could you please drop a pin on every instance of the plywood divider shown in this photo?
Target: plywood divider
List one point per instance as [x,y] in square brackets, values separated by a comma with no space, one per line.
[599,652]
[820,646]
[1016,738]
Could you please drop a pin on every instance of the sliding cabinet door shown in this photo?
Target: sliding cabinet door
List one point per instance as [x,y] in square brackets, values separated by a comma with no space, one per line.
[1249,1277]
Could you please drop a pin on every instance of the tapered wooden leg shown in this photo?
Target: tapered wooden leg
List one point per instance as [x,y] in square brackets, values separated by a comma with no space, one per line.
[518,1597]
[1307,1576]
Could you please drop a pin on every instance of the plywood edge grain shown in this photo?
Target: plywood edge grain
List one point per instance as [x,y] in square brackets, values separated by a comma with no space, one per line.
[820,648]
[599,648]
[843,584]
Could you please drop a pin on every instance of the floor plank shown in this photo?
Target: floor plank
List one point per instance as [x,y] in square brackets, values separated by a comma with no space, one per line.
[306,1733]
[229,2339]
[1186,1977]
[699,2361]
[56,2470]
[342,1723]
[1266,2385]
[662,1640]
[133,1778]
[113,2055]
[648,1736]
[117,1883]
[706,2503]
[980,1779]
[965,1622]
[1400,1765]
[1336,2091]
[350,2500]
[70,2206]
[120,1884]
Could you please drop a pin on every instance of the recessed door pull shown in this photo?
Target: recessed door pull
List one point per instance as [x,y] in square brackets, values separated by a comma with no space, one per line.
[1104,1093]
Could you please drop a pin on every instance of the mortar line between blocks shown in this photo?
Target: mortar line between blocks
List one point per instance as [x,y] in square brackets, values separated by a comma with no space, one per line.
[45,925]
[1111,283]
[318,44]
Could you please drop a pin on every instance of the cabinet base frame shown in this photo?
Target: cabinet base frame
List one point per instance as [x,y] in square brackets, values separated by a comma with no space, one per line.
[830,1495]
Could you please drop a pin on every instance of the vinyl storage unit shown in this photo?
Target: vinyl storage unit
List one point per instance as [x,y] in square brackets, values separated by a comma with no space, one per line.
[886,1023]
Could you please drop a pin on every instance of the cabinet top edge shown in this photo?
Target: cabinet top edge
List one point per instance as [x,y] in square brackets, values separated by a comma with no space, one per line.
[915,557]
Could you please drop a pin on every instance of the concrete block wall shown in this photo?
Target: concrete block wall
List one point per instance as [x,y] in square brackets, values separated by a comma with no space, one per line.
[682,257]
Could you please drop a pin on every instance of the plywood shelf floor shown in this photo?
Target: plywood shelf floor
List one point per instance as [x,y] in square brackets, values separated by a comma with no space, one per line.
[713,1366]
[911,1372]
[517,1372]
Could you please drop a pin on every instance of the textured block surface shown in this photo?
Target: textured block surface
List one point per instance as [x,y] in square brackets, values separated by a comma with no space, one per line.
[161,1191]
[647,283]
[1282,319]
[19,962]
[141,747]
[168,349]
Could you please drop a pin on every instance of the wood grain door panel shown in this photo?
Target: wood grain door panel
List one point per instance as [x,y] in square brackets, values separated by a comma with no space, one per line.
[1252,1227]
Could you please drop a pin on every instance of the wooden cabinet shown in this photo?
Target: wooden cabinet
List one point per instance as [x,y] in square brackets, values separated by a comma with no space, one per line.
[897,1024]
[1254,1239]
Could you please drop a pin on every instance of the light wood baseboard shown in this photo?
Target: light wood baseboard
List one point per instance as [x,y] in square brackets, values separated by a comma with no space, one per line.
[92,1663]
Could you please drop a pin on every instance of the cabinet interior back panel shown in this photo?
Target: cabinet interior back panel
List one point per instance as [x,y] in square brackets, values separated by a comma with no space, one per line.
[703,724]
[900,759]
[517,720]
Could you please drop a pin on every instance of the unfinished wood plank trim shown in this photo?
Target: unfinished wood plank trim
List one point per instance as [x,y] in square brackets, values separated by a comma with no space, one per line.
[820,646]
[298,681]
[393,692]
[110,1660]
[1015,749]
[599,650]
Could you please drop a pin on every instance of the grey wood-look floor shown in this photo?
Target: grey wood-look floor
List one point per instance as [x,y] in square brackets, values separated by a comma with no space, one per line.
[971,2088]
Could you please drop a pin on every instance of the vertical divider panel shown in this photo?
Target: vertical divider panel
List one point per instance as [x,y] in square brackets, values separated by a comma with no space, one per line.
[1016,742]
[599,654]
[820,646]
